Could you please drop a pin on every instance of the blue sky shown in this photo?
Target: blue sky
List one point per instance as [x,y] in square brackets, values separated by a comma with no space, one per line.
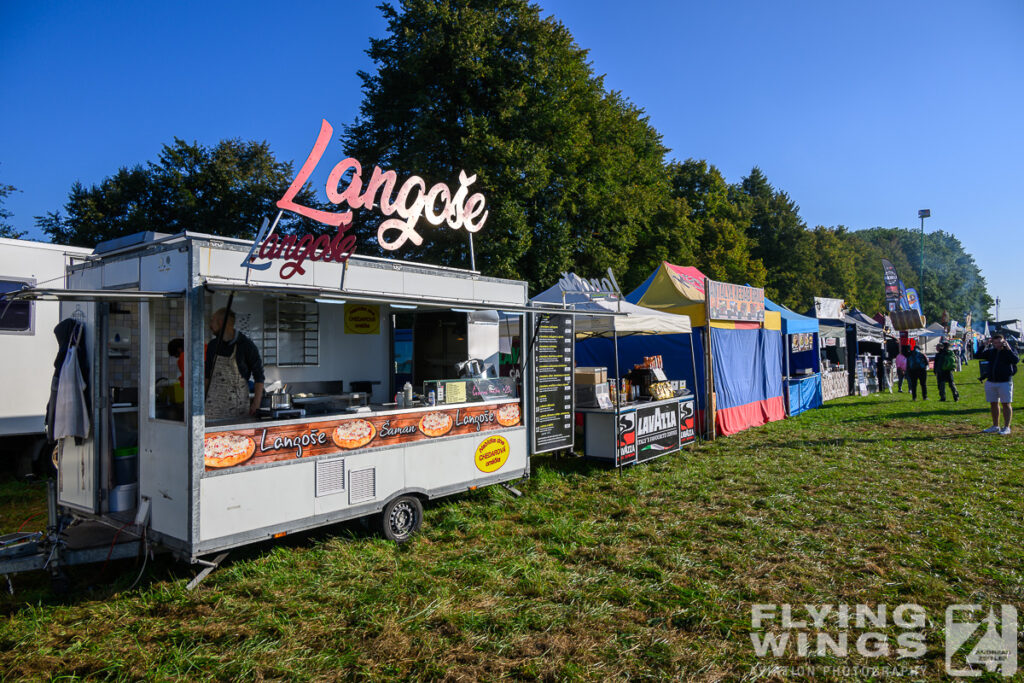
[863,112]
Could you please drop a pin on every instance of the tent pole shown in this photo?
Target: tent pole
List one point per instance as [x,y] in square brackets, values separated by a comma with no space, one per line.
[709,355]
[789,373]
[618,398]
[696,393]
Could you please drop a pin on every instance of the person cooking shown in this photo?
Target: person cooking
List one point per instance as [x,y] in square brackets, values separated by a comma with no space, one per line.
[237,361]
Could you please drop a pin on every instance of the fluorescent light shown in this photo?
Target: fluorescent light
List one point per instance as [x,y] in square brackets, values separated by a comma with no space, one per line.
[463,310]
[329,301]
[408,307]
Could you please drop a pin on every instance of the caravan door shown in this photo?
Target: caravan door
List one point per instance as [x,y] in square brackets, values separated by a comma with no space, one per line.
[78,464]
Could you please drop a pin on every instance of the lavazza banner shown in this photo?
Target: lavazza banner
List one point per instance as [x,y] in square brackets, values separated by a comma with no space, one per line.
[657,430]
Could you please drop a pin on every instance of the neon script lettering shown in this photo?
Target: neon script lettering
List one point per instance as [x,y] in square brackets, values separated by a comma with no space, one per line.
[412,202]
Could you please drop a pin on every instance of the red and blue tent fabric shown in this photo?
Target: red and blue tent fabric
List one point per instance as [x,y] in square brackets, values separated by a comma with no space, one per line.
[746,358]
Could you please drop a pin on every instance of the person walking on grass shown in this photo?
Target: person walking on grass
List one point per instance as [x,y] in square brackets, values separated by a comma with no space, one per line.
[917,373]
[945,364]
[1002,366]
[901,367]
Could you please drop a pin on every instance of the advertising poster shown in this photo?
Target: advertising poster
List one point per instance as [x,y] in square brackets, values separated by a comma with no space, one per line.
[274,443]
[625,451]
[657,430]
[735,302]
[687,422]
[362,319]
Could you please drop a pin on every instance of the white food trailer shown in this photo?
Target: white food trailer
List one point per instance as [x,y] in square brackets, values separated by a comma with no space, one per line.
[28,346]
[343,338]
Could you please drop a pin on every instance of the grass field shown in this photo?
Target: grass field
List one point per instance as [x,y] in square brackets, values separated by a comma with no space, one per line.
[591,575]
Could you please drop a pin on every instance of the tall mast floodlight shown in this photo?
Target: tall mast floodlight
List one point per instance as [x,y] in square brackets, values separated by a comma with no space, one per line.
[922,214]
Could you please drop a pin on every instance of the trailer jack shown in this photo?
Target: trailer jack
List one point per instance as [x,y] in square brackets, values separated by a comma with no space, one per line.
[208,567]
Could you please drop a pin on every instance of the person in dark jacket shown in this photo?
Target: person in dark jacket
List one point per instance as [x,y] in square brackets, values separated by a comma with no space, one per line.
[1002,366]
[945,363]
[238,360]
[917,373]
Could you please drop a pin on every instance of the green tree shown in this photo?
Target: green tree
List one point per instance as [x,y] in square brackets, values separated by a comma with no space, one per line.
[573,174]
[952,280]
[779,239]
[6,229]
[226,190]
[719,223]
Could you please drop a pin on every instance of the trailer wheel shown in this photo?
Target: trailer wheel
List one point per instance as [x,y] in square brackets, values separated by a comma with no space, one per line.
[60,583]
[401,518]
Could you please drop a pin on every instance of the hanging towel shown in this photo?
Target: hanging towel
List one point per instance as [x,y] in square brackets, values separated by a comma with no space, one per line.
[71,414]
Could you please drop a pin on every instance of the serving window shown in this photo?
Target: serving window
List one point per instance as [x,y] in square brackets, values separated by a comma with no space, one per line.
[450,358]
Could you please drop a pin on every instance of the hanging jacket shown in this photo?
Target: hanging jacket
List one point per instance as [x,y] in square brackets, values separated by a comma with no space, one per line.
[65,332]
[71,412]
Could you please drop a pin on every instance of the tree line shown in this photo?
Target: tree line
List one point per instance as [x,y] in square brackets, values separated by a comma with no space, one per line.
[575,175]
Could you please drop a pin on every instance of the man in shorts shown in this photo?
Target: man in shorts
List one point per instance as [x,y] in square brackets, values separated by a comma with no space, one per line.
[1002,366]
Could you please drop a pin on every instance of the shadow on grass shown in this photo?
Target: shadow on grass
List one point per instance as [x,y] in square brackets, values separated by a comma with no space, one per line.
[839,442]
[103,580]
[571,464]
[919,413]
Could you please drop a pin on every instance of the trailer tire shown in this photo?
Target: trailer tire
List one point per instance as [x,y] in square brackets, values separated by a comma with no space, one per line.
[60,583]
[401,518]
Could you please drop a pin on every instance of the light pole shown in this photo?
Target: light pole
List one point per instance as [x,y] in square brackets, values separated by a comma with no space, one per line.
[922,214]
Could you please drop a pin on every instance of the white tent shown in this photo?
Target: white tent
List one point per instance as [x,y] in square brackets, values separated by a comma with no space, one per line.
[929,338]
[637,319]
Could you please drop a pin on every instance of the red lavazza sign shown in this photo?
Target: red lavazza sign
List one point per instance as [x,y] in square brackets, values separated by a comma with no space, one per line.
[412,202]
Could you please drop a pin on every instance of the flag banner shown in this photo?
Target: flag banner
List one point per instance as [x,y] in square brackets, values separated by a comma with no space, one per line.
[913,302]
[892,285]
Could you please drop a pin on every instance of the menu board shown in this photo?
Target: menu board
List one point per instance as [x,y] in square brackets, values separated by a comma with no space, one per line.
[862,380]
[553,383]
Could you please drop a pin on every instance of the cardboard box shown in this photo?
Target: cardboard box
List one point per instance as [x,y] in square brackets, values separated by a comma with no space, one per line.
[591,375]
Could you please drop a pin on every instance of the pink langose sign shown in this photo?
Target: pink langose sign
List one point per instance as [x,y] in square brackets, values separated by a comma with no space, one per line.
[413,201]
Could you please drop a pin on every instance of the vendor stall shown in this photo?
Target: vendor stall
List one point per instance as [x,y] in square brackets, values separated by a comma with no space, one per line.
[740,344]
[801,364]
[865,343]
[832,353]
[621,425]
[381,378]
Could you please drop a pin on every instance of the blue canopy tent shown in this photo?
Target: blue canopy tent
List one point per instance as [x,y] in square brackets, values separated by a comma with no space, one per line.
[800,361]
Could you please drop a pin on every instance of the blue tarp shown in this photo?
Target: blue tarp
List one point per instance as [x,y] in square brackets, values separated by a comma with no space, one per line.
[804,394]
[748,366]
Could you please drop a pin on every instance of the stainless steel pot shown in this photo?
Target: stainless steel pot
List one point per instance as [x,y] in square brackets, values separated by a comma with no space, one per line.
[281,401]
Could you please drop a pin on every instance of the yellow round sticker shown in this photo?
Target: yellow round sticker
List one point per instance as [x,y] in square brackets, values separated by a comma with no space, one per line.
[492,453]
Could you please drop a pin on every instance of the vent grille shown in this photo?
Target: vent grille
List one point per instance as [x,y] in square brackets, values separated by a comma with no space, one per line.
[362,485]
[330,476]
